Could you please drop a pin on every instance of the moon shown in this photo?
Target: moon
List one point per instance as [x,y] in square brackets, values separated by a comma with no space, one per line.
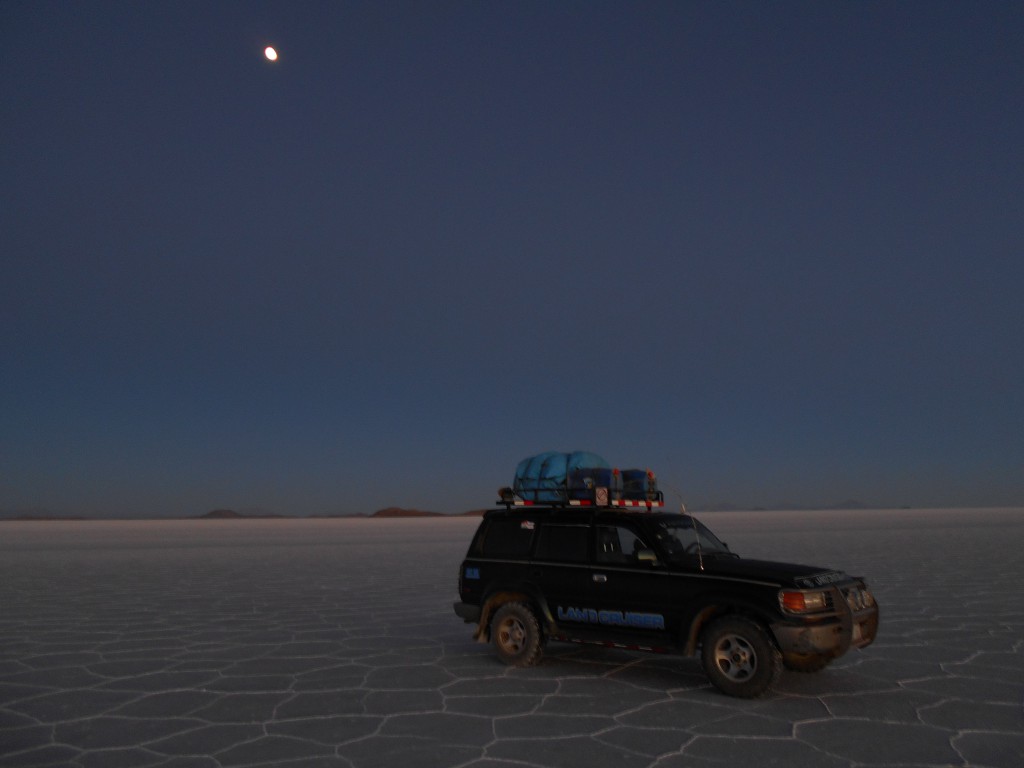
[270,53]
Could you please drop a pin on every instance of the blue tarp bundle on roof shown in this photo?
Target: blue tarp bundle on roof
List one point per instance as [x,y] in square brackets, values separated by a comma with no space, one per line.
[554,476]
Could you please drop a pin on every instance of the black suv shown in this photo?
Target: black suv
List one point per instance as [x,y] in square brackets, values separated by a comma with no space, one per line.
[655,581]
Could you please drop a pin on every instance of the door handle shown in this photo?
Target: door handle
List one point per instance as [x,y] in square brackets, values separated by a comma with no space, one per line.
[599,578]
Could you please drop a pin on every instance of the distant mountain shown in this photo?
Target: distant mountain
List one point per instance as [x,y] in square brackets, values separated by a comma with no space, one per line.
[400,512]
[230,514]
[221,514]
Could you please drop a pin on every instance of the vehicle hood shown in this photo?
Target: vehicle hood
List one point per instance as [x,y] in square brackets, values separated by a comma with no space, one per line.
[786,574]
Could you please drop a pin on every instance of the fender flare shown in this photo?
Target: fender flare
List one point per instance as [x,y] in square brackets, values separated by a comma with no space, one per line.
[519,594]
[711,607]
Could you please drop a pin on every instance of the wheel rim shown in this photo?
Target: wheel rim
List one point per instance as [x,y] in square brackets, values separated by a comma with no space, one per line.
[512,635]
[735,658]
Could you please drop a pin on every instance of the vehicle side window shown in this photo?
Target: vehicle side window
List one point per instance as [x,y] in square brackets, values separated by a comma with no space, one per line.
[508,538]
[563,543]
[617,544]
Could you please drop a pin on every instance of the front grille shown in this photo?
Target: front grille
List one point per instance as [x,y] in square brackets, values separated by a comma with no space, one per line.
[855,598]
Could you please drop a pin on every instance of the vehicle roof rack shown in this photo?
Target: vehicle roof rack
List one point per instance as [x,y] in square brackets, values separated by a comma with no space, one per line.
[600,497]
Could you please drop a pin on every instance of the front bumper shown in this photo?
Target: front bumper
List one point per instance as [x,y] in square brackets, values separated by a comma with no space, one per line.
[831,634]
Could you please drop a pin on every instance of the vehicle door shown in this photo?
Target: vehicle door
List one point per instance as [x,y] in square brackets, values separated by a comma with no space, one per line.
[632,592]
[561,565]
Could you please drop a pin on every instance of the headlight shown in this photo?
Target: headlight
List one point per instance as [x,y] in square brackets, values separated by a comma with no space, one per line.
[802,602]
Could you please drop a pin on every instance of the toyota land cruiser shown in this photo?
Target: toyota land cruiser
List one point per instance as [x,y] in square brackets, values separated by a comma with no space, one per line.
[650,580]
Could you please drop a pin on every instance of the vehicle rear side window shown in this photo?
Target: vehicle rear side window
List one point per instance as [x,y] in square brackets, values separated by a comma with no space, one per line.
[563,543]
[508,538]
[617,544]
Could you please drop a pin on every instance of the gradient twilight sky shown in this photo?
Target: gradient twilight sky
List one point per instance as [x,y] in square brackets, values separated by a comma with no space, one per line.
[774,251]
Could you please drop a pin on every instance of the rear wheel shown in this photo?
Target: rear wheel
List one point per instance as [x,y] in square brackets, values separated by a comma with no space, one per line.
[805,662]
[516,634]
[739,657]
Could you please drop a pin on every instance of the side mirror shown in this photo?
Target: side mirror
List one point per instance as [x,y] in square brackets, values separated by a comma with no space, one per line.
[646,556]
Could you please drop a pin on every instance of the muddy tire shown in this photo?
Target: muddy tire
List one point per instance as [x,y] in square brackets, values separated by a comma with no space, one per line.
[805,662]
[516,635]
[739,657]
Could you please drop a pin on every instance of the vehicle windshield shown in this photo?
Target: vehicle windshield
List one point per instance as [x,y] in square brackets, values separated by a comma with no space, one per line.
[676,537]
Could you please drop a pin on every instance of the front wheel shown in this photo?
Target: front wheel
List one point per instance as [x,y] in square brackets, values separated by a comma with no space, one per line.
[739,657]
[516,633]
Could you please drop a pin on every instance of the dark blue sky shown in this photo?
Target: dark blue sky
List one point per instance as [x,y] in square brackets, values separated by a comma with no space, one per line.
[771,250]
